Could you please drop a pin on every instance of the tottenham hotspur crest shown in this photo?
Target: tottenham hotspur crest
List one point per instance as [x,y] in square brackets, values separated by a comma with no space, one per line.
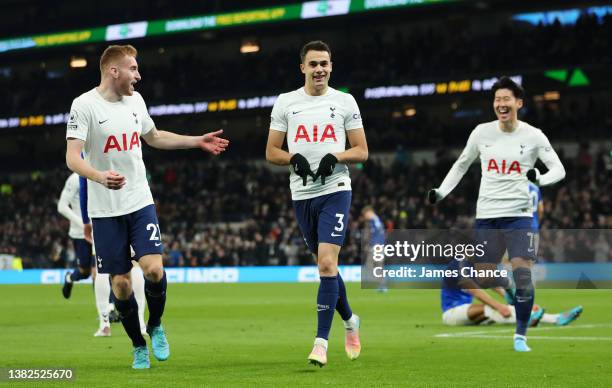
[135,117]
[332,115]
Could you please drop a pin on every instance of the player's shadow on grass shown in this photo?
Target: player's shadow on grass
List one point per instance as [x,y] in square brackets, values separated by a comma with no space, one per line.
[308,370]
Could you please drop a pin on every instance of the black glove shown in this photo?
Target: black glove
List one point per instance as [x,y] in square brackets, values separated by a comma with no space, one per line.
[432,197]
[532,175]
[301,167]
[326,167]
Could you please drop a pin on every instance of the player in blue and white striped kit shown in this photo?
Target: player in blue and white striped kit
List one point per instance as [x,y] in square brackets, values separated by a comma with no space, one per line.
[375,235]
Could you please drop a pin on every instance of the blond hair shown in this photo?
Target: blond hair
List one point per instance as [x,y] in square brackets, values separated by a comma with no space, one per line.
[366,209]
[114,53]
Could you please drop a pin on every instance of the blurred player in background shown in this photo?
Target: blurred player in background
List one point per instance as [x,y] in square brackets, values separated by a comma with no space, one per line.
[69,206]
[317,120]
[508,149]
[537,208]
[106,124]
[102,284]
[374,235]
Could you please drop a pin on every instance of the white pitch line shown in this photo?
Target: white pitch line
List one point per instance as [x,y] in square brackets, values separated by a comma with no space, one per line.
[540,338]
[511,330]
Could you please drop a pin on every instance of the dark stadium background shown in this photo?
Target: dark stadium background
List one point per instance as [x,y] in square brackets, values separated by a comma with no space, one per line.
[236,210]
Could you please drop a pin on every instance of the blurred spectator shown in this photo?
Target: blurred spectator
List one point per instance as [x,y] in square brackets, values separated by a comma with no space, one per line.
[236,213]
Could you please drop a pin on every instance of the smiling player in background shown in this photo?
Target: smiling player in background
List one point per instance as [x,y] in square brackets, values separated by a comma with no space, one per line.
[508,149]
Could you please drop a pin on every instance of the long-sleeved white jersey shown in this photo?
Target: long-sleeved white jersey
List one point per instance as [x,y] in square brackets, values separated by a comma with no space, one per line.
[69,206]
[505,158]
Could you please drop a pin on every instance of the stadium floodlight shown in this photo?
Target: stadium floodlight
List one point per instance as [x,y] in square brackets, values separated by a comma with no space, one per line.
[409,112]
[249,46]
[552,96]
[78,62]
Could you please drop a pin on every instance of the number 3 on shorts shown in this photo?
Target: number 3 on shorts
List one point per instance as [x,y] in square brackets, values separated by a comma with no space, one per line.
[340,226]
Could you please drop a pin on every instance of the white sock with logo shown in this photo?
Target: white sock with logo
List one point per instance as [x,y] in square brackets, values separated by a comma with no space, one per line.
[138,285]
[102,290]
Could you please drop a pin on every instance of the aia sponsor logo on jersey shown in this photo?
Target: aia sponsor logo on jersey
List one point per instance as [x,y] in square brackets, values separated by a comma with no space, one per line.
[504,167]
[307,136]
[112,143]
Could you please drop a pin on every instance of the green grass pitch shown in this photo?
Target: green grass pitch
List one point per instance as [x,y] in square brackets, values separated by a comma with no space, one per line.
[261,334]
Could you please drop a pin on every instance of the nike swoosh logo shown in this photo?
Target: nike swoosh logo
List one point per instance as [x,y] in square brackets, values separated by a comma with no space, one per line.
[336,235]
[487,145]
[530,250]
[157,244]
[102,122]
[296,112]
[321,309]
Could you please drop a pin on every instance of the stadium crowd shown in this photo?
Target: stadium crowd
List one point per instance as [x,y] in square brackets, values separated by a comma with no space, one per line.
[403,52]
[234,213]
[237,213]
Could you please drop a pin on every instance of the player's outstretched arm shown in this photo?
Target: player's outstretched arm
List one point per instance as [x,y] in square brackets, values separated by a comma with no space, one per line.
[460,167]
[549,157]
[209,142]
[109,179]
[485,298]
[275,153]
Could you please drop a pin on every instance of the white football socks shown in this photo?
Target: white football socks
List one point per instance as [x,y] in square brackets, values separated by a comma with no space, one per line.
[138,285]
[102,289]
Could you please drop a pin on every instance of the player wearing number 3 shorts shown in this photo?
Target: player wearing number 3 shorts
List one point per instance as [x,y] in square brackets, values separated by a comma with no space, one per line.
[317,120]
[107,124]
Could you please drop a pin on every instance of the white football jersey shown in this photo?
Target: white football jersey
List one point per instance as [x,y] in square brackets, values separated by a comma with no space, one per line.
[316,126]
[111,132]
[505,158]
[69,205]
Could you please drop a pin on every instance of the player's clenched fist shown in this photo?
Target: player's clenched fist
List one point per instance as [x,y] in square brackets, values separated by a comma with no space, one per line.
[432,196]
[326,167]
[88,233]
[112,180]
[533,175]
[301,167]
[504,310]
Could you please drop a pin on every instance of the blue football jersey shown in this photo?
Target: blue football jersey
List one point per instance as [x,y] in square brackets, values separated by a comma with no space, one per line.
[535,196]
[377,231]
[451,294]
